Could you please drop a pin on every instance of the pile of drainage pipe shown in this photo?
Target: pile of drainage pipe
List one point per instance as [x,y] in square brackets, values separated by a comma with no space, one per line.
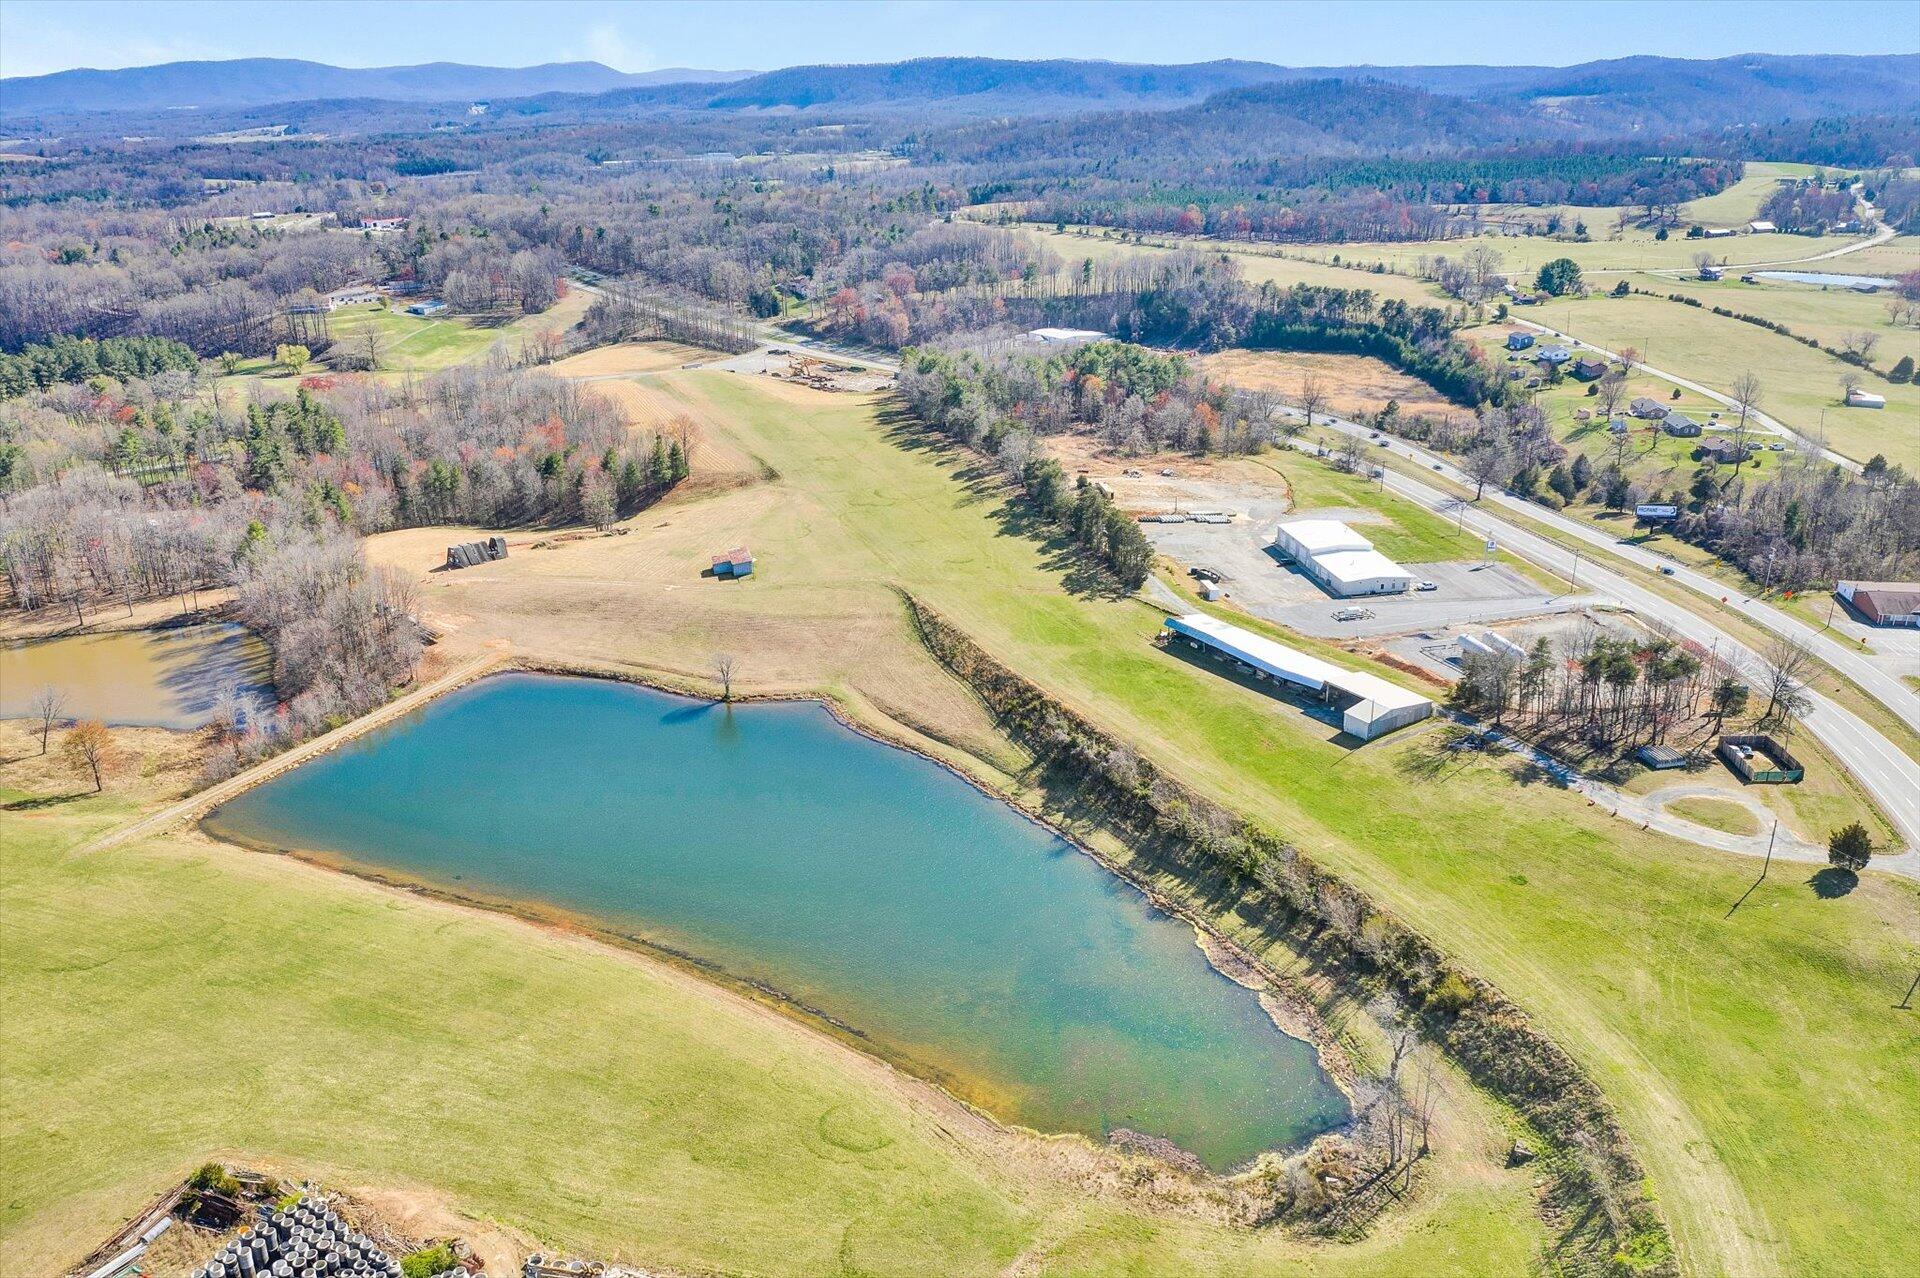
[310,1241]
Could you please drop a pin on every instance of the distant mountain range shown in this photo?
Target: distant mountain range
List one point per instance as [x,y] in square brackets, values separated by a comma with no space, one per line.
[1664,94]
[247,82]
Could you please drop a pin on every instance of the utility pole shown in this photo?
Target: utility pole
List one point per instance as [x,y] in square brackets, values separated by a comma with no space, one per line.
[1907,1002]
[1767,864]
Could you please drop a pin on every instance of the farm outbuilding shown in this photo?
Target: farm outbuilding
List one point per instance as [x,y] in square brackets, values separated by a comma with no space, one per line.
[1370,706]
[468,554]
[1340,559]
[737,562]
[1857,398]
[1519,341]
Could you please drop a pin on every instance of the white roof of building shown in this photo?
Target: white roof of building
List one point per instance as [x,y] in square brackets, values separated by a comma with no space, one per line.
[1324,536]
[1760,226]
[1066,334]
[1294,666]
[1360,565]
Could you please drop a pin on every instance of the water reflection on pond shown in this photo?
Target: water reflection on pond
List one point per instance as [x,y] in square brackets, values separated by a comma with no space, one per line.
[167,677]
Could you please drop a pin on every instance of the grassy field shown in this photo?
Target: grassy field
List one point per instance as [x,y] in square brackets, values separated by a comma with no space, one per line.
[1259,263]
[1802,386]
[427,344]
[1826,314]
[1715,814]
[1740,203]
[1698,1025]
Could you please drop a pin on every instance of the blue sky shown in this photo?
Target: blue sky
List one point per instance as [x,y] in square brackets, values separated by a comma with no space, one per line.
[37,36]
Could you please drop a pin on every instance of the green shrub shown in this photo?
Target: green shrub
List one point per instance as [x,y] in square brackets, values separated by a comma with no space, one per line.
[429,1261]
[1452,995]
[215,1177]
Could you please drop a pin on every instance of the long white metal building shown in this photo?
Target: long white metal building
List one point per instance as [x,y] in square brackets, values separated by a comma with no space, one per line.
[1370,705]
[1340,559]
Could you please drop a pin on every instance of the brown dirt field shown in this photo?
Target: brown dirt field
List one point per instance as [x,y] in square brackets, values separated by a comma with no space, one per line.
[630,357]
[1355,384]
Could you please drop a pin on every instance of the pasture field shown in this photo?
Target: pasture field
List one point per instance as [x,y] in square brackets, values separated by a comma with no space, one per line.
[428,344]
[1801,385]
[1827,314]
[1740,203]
[1607,251]
[1896,257]
[1259,263]
[1619,941]
[1356,386]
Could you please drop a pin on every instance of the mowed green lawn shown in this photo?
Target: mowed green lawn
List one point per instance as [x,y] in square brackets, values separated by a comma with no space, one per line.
[177,1000]
[422,343]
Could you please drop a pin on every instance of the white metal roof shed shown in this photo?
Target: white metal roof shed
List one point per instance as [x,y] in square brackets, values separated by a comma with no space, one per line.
[1320,537]
[1379,706]
[1354,572]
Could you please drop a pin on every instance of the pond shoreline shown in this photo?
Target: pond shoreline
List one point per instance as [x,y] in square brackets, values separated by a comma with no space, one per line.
[1289,1014]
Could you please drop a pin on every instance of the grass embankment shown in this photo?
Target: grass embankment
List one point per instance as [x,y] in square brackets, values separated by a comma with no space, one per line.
[1698,1026]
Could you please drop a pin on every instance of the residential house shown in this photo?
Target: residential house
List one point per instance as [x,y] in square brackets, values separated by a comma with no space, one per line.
[1553,355]
[1724,451]
[1680,426]
[1588,370]
[1519,341]
[1647,408]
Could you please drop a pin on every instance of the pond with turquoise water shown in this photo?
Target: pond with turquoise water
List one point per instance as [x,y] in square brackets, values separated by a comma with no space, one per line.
[864,881]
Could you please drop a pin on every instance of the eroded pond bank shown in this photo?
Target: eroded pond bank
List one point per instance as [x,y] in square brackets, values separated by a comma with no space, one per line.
[862,880]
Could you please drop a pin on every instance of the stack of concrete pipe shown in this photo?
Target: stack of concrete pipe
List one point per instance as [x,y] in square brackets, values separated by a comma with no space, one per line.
[310,1241]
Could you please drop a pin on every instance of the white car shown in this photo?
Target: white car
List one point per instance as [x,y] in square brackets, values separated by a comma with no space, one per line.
[1426,585]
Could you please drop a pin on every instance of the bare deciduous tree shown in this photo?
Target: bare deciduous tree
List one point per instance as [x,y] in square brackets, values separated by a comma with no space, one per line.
[48,706]
[1786,666]
[1484,464]
[725,666]
[1746,399]
[1313,396]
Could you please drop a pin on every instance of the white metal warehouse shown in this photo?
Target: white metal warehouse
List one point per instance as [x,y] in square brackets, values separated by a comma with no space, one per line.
[1370,705]
[1340,559]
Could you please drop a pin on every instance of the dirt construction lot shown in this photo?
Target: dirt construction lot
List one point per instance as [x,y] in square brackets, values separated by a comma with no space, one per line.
[1355,385]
